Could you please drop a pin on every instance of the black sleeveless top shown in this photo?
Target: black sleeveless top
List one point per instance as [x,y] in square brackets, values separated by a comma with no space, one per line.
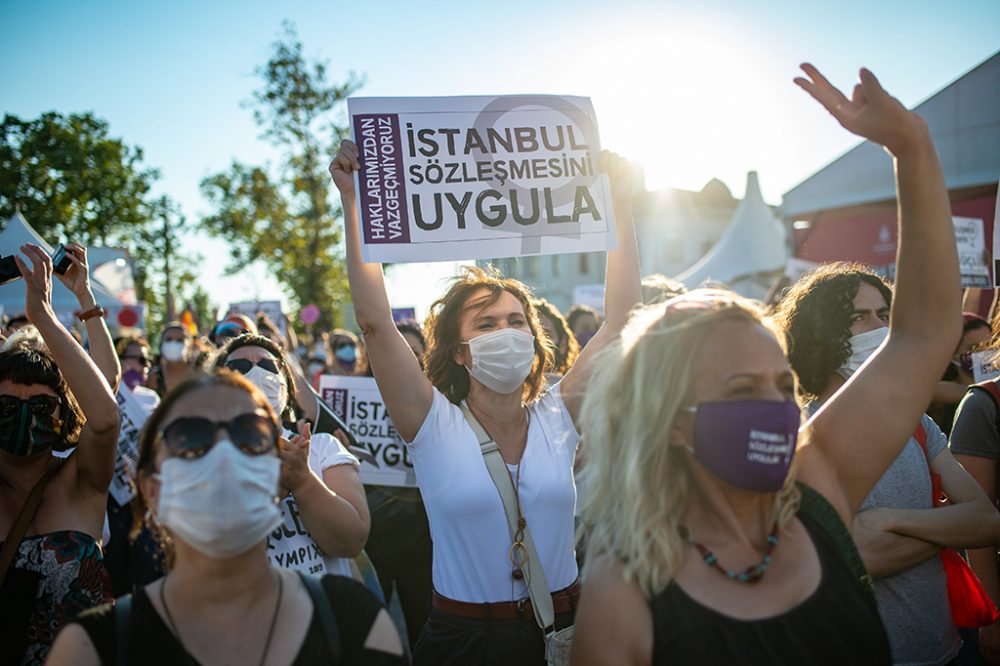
[838,624]
[151,642]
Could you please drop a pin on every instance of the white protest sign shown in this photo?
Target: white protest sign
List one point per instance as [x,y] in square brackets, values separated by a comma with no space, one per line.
[250,308]
[591,295]
[984,365]
[795,268]
[133,416]
[446,178]
[971,242]
[357,401]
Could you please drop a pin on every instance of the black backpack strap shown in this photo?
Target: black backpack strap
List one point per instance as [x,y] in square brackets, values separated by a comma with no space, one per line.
[820,513]
[321,603]
[123,627]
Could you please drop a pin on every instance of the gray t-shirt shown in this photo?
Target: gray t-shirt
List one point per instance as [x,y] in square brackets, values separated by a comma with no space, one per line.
[914,603]
[975,431]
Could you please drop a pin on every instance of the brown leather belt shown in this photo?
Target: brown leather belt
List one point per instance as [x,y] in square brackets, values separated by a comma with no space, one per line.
[563,601]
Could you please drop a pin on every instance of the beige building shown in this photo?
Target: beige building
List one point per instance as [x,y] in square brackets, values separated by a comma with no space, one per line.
[675,228]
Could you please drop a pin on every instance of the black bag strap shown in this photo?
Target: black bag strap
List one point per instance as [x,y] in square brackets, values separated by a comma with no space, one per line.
[321,603]
[820,513]
[123,628]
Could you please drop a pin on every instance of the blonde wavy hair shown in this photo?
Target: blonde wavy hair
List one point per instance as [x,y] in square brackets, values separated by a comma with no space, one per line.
[638,484]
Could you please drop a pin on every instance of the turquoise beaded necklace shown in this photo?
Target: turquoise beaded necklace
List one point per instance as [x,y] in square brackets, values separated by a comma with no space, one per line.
[750,574]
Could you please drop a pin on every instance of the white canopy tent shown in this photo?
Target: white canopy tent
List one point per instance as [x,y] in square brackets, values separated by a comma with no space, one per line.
[754,246]
[17,233]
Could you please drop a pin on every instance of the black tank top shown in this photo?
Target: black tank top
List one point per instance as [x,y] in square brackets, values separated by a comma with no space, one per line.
[837,624]
[152,643]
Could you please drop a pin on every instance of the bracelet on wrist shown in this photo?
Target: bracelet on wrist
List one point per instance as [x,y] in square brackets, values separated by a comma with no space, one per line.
[96,311]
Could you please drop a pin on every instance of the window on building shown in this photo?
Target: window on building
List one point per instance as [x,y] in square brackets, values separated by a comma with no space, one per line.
[555,265]
[584,263]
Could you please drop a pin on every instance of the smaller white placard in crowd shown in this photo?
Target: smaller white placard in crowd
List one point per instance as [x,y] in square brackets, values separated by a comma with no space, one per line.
[591,295]
[250,308]
[971,242]
[985,366]
[133,416]
[357,401]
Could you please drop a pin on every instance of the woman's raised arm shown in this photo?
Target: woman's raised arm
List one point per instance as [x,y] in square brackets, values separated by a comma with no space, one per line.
[622,281]
[95,456]
[864,426]
[404,387]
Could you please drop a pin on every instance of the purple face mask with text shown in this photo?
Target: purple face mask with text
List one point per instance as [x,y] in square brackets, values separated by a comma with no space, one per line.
[747,443]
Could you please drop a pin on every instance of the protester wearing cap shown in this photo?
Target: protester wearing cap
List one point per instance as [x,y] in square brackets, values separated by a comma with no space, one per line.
[208,471]
[717,524]
[344,353]
[324,514]
[486,351]
[52,398]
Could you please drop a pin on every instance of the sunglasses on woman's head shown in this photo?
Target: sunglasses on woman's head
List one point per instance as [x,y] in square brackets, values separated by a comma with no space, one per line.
[39,405]
[243,366]
[193,436]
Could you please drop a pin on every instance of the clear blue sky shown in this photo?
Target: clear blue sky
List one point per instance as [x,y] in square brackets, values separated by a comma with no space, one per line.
[690,90]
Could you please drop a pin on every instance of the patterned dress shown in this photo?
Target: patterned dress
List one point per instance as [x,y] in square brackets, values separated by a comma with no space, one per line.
[67,572]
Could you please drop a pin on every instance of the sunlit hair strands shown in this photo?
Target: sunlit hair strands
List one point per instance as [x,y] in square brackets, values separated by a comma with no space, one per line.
[638,485]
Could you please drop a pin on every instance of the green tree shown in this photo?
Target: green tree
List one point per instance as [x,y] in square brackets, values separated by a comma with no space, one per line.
[165,277]
[286,219]
[71,179]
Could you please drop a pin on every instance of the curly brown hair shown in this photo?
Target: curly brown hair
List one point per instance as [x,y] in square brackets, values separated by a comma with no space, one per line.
[562,361]
[815,317]
[443,328]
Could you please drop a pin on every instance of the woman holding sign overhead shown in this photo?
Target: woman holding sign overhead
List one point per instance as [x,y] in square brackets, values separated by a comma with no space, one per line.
[486,362]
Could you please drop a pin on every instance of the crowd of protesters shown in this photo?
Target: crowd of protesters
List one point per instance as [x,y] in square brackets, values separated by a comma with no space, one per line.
[683,477]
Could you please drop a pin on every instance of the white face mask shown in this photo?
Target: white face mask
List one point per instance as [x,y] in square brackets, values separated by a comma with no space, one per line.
[501,360]
[222,503]
[862,345]
[271,385]
[173,350]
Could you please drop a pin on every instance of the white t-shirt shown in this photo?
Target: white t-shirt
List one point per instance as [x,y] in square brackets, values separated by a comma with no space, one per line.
[466,515]
[290,546]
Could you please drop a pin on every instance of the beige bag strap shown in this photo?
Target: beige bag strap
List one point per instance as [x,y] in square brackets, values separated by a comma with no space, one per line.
[16,535]
[534,576]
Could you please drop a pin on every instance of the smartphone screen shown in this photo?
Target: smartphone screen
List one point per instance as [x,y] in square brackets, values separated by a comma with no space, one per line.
[60,260]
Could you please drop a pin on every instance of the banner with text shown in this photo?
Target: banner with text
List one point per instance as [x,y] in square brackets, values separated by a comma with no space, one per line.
[133,416]
[446,178]
[250,308]
[357,401]
[972,259]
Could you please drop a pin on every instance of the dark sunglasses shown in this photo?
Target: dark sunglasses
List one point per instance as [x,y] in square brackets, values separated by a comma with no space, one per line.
[243,366]
[144,360]
[193,436]
[342,344]
[39,405]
